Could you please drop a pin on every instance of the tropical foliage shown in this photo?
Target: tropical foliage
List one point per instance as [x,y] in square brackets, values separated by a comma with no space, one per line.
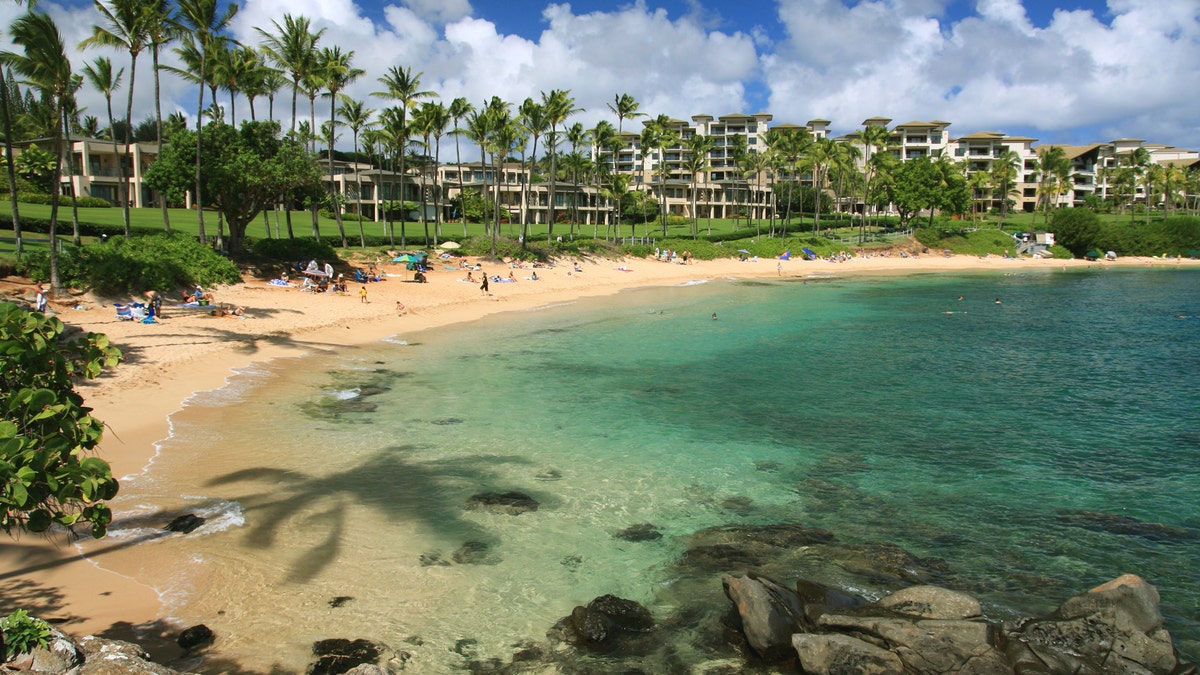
[47,471]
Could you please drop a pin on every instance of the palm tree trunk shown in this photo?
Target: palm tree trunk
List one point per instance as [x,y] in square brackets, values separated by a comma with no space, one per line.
[162,198]
[128,141]
[199,133]
[8,154]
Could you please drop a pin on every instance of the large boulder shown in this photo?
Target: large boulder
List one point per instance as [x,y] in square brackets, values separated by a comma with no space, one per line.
[770,614]
[339,655]
[115,657]
[1113,628]
[603,621]
[929,645]
[843,655]
[932,602]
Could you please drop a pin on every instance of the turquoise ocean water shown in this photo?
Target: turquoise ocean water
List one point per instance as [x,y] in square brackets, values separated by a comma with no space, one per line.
[1040,446]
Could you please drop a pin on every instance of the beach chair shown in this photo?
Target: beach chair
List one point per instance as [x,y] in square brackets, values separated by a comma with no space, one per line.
[124,313]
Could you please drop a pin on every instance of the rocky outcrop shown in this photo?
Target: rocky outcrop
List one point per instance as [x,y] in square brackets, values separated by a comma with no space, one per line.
[64,655]
[604,621]
[1113,629]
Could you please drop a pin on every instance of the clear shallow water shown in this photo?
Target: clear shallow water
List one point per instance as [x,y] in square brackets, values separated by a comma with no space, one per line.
[1017,441]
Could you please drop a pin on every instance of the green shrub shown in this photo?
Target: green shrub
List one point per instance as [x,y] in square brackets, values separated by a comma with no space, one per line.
[1076,230]
[289,250]
[64,201]
[24,633]
[1061,253]
[161,262]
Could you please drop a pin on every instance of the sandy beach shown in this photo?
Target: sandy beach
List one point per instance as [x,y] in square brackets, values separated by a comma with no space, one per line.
[191,351]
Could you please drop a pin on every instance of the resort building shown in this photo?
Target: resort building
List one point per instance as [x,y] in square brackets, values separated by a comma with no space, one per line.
[731,180]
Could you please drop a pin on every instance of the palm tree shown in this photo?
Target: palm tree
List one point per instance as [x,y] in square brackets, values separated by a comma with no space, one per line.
[459,108]
[125,28]
[1054,171]
[357,118]
[293,48]
[559,106]
[233,70]
[204,23]
[430,120]
[696,164]
[101,76]
[625,108]
[157,24]
[532,118]
[666,136]
[43,64]
[647,141]
[1004,177]
[1139,161]
[480,128]
[818,156]
[788,146]
[404,87]
[338,74]
[980,183]
[273,80]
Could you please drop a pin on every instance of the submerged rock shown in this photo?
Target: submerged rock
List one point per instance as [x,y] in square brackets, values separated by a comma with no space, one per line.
[339,655]
[475,553]
[510,503]
[603,621]
[642,532]
[1115,523]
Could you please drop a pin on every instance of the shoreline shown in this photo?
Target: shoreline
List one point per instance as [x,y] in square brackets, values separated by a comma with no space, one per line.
[192,352]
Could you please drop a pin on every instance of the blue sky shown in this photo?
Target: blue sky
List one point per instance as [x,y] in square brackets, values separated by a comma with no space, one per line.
[1061,71]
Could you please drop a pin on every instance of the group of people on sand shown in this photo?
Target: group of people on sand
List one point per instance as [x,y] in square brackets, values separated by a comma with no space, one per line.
[672,256]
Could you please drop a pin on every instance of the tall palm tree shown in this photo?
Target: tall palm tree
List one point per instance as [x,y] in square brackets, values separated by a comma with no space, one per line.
[404,87]
[980,183]
[559,106]
[788,146]
[425,121]
[874,137]
[459,108]
[532,118]
[100,75]
[339,73]
[6,110]
[1005,171]
[203,21]
[273,81]
[647,142]
[293,48]
[667,136]
[43,64]
[696,164]
[1139,161]
[124,28]
[480,128]
[1054,170]
[439,122]
[819,155]
[157,16]
[357,118]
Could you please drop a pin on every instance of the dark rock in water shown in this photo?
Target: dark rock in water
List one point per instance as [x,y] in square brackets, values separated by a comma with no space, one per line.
[604,620]
[770,614]
[466,647]
[184,524]
[734,548]
[572,562]
[767,465]
[719,557]
[642,532]
[449,421]
[196,636]
[887,563]
[372,390]
[1114,523]
[549,474]
[511,503]
[432,559]
[340,601]
[739,505]
[475,553]
[339,655]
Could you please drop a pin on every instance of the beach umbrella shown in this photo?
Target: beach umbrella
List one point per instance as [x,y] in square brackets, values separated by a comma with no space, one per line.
[405,258]
[742,250]
[449,244]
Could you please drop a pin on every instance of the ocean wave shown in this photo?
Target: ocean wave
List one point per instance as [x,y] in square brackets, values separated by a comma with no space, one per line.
[550,306]
[395,340]
[345,394]
[145,523]
[694,282]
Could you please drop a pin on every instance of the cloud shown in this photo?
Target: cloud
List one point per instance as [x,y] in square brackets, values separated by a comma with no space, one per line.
[992,69]
[1125,71]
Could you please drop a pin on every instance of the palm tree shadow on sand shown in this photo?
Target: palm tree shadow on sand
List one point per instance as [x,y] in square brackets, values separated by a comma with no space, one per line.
[429,493]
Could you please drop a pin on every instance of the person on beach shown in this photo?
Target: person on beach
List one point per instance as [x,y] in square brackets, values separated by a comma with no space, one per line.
[362,295]
[40,302]
[483,288]
[779,269]
[399,308]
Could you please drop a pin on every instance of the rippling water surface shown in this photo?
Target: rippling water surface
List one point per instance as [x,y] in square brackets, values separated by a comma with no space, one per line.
[1041,446]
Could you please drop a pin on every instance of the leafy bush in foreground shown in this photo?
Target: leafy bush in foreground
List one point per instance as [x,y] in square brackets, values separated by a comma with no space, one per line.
[291,250]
